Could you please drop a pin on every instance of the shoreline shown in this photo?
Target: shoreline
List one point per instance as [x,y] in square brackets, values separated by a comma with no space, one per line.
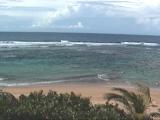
[94,90]
[90,78]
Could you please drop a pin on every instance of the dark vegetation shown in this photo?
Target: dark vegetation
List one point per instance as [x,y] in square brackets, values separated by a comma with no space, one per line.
[54,106]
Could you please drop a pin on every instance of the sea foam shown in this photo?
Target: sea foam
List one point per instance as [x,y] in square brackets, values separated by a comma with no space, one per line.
[20,44]
[28,84]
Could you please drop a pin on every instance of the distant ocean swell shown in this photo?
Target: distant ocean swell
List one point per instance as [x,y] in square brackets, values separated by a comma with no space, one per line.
[19,44]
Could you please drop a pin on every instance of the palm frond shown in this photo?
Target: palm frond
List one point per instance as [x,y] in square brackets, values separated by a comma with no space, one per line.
[138,103]
[128,95]
[119,98]
[145,91]
[135,100]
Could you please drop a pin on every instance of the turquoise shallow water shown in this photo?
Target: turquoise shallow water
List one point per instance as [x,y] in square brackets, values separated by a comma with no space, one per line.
[49,64]
[57,62]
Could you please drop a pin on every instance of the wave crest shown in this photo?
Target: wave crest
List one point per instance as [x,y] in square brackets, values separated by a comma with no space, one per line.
[19,44]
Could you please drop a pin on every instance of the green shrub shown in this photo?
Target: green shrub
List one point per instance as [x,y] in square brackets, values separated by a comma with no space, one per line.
[54,106]
[109,112]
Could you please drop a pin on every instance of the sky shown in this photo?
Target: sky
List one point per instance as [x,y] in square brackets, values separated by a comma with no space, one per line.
[87,16]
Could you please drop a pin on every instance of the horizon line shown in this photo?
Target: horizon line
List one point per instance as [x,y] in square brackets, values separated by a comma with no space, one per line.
[129,34]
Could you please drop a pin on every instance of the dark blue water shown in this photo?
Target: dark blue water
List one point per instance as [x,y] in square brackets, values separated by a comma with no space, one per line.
[83,37]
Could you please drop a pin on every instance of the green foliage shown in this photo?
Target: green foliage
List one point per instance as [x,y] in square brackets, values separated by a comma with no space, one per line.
[54,106]
[109,112]
[136,103]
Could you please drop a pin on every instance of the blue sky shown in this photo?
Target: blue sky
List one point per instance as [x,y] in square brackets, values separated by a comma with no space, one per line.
[95,16]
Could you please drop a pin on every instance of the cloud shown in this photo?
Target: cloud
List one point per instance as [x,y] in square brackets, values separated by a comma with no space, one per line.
[78,25]
[143,11]
[52,16]
[65,13]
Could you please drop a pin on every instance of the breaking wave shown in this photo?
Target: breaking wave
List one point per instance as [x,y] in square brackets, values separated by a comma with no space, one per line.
[19,44]
[140,43]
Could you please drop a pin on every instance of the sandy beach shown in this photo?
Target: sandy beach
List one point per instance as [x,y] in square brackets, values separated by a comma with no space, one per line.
[93,90]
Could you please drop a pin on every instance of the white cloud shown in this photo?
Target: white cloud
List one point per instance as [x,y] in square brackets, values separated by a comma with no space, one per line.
[50,17]
[44,13]
[143,11]
[55,15]
[78,25]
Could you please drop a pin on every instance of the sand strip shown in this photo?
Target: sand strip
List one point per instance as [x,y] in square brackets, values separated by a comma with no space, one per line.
[93,90]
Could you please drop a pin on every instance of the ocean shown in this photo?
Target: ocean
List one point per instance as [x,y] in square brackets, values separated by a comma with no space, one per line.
[37,58]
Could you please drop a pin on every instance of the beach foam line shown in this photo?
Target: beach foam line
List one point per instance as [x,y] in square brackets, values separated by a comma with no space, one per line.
[1,79]
[103,77]
[15,44]
[32,83]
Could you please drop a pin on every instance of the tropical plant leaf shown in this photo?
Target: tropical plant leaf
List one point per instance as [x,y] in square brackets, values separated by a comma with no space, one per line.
[145,91]
[119,98]
[136,102]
